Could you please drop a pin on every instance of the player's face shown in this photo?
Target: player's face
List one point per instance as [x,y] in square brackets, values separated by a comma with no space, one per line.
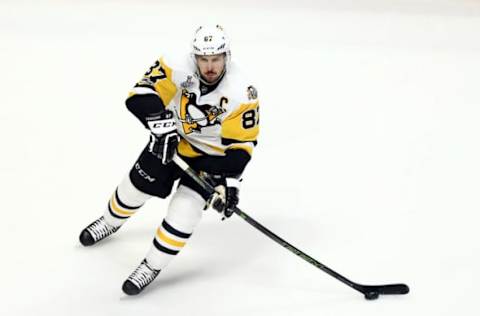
[211,67]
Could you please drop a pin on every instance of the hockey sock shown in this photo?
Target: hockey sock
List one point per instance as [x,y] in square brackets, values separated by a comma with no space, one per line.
[125,201]
[167,243]
[184,213]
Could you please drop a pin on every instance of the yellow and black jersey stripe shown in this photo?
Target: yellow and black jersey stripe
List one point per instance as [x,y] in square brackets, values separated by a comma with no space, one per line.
[240,129]
[157,80]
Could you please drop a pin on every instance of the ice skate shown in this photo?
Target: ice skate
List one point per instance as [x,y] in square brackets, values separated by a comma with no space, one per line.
[96,231]
[139,279]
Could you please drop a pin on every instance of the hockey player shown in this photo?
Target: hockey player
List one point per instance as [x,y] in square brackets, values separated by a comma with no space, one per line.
[199,107]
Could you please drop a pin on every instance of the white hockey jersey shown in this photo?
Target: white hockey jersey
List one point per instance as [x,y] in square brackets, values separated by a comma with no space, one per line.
[225,118]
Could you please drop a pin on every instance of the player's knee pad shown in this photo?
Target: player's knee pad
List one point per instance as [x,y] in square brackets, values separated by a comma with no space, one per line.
[185,209]
[130,195]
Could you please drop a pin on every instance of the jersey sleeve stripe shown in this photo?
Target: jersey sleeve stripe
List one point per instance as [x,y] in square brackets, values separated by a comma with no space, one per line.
[248,147]
[144,89]
[229,141]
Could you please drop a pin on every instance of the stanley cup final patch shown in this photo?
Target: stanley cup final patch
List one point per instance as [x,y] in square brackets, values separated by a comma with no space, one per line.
[188,83]
[252,93]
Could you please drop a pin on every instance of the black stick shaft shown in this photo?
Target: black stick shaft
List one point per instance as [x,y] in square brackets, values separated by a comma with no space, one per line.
[295,250]
[205,185]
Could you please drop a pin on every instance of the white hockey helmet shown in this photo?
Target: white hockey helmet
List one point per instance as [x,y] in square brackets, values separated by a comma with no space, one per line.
[211,40]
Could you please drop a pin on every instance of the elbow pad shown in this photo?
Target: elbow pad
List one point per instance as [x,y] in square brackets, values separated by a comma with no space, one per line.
[144,105]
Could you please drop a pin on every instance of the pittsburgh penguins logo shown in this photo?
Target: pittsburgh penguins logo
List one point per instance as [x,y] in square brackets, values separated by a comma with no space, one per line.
[196,116]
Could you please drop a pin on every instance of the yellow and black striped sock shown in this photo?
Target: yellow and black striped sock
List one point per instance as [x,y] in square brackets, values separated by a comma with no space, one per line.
[118,211]
[167,243]
[169,239]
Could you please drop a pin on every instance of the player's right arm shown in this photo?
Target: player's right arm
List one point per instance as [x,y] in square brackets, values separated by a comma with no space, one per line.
[147,102]
[152,93]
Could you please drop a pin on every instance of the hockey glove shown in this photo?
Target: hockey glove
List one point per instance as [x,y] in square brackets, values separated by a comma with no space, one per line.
[226,197]
[164,137]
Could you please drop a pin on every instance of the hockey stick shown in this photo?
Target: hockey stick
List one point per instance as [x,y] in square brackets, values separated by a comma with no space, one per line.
[371,292]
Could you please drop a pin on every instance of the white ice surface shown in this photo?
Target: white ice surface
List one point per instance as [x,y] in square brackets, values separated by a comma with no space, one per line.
[368,158]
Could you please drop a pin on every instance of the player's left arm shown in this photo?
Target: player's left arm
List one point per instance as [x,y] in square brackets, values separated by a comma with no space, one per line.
[240,130]
[239,133]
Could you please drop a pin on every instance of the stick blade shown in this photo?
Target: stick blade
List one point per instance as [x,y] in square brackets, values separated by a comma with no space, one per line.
[387,289]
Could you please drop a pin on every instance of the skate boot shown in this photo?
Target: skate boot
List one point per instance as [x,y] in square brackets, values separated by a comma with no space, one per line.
[96,231]
[139,279]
